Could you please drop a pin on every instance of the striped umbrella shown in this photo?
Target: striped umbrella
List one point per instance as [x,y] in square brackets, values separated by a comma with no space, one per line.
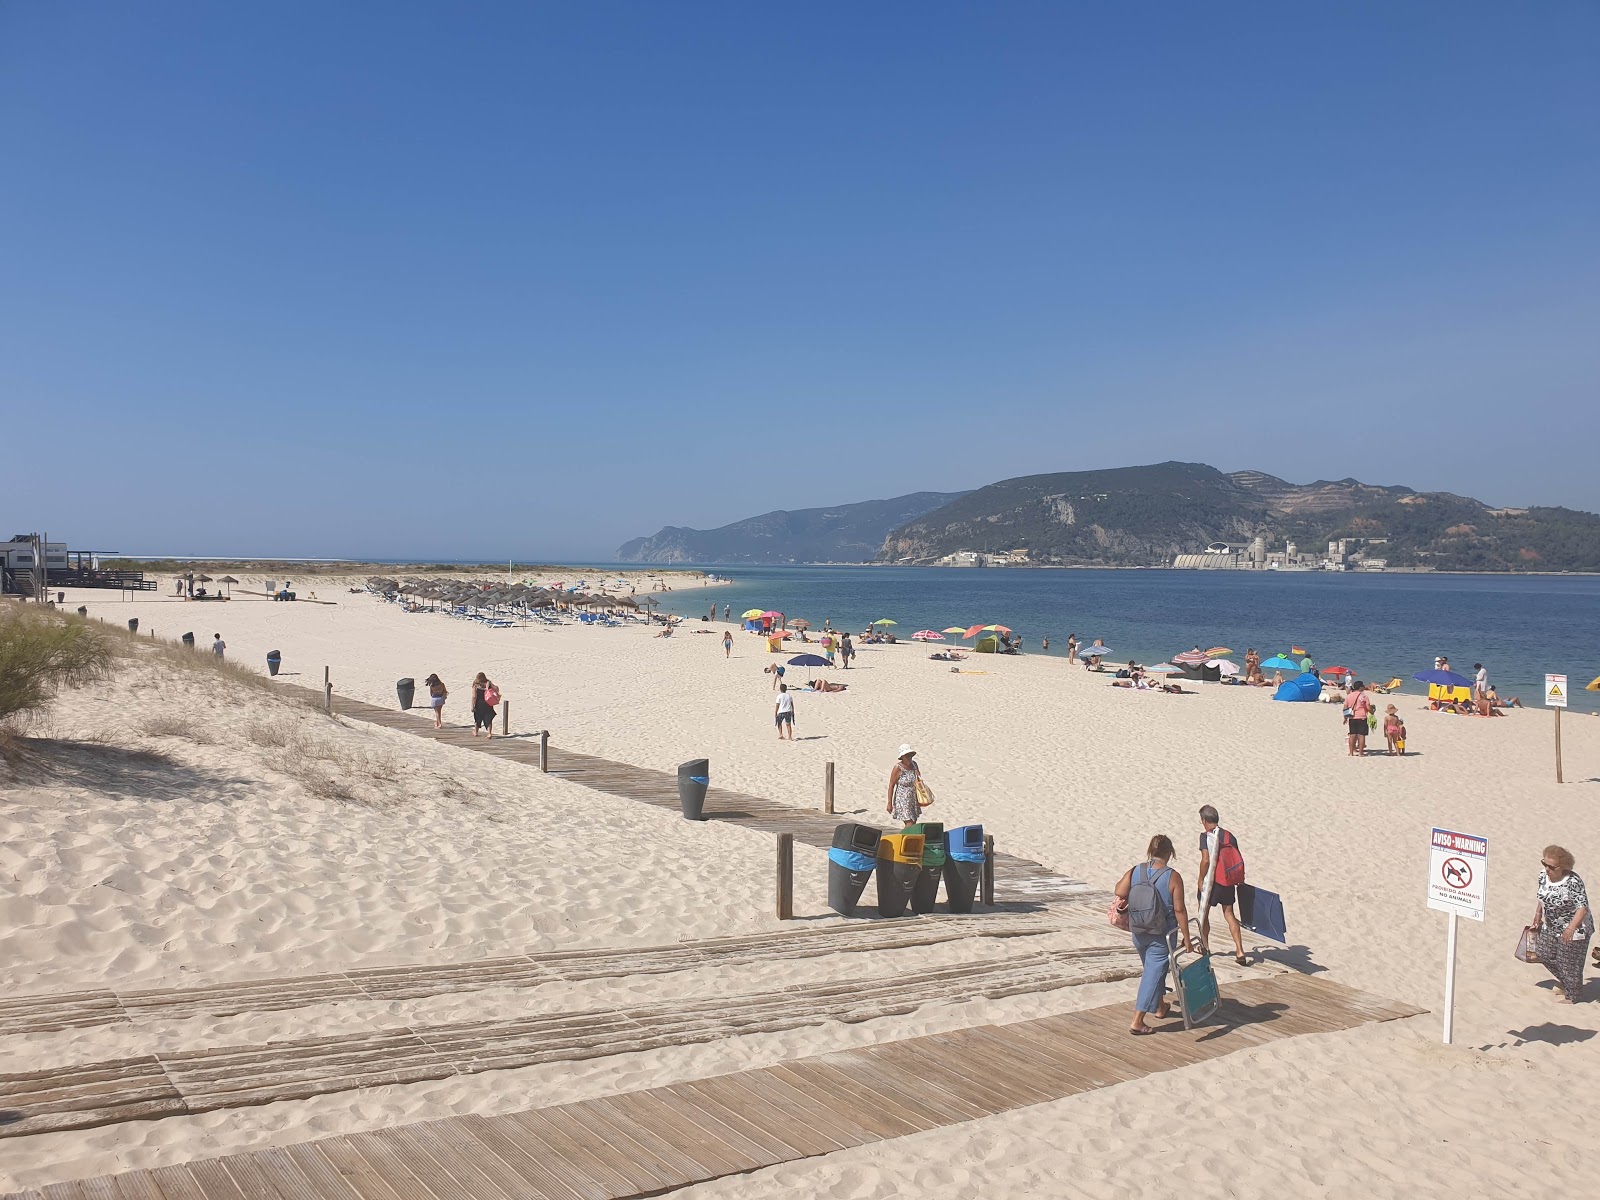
[1192,657]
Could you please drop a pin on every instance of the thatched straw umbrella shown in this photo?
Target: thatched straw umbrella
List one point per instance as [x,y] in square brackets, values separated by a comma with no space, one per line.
[229,581]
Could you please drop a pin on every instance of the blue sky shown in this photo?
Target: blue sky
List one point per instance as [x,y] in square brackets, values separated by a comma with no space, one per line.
[475,279]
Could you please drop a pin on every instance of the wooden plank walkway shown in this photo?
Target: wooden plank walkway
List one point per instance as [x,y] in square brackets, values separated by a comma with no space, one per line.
[648,1142]
[69,1010]
[194,1081]
[1020,884]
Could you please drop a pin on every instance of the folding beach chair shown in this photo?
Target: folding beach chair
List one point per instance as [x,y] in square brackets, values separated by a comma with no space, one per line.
[1194,982]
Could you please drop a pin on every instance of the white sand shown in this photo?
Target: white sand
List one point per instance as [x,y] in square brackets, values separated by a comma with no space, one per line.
[228,868]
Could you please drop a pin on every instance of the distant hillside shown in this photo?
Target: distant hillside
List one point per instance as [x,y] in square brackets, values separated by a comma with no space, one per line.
[1143,516]
[843,533]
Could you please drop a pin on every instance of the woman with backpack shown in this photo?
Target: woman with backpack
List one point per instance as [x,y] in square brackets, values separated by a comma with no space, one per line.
[1152,895]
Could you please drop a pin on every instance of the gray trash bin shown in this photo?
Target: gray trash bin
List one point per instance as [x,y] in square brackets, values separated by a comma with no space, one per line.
[83,610]
[406,689]
[133,624]
[851,860]
[188,640]
[274,661]
[694,777]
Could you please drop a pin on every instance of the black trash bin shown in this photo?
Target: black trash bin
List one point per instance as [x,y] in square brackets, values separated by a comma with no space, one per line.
[274,661]
[899,864]
[406,689]
[694,777]
[963,866]
[83,610]
[850,862]
[188,640]
[133,624]
[926,893]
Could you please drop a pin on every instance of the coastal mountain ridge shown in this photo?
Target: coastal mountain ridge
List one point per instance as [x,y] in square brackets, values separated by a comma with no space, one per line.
[1146,516]
[841,533]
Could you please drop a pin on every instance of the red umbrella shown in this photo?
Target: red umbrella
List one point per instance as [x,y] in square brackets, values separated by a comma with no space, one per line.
[1191,656]
[1337,671]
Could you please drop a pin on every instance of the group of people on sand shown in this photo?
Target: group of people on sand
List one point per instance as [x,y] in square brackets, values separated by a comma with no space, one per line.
[485,699]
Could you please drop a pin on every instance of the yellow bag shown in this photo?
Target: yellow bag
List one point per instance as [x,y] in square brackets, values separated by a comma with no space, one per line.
[924,793]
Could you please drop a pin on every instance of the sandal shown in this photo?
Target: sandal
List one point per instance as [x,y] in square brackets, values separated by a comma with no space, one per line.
[1241,960]
[1142,1031]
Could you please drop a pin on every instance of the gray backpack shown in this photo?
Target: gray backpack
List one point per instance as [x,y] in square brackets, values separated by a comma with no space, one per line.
[1147,908]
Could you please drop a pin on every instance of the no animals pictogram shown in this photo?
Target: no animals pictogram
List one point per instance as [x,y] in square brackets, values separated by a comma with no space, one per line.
[1457,872]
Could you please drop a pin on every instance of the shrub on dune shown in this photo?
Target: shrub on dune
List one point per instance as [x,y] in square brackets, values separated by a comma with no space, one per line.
[42,652]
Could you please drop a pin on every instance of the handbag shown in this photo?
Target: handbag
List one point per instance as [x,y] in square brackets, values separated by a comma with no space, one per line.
[924,793]
[1117,914]
[1528,945]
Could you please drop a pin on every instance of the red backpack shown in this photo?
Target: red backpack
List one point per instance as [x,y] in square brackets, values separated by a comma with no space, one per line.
[1230,863]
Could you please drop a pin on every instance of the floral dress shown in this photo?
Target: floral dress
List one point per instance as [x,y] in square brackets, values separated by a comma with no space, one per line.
[1564,960]
[906,808]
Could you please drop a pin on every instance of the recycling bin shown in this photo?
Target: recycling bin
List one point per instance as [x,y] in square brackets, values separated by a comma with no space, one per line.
[274,661]
[406,689]
[188,640]
[850,861]
[963,866]
[926,892]
[899,865]
[133,624]
[694,777]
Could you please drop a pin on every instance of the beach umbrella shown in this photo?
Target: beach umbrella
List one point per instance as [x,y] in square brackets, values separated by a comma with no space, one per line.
[1163,669]
[230,581]
[1218,651]
[962,629]
[927,635]
[885,621]
[800,623]
[1337,671]
[1279,663]
[1224,666]
[751,614]
[1443,679]
[1191,657]
[1094,652]
[1593,685]
[808,660]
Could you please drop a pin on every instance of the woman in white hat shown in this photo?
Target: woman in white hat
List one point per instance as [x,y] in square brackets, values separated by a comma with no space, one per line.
[908,795]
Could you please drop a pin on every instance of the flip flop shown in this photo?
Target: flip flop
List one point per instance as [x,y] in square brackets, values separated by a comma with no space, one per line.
[1141,1032]
[1241,960]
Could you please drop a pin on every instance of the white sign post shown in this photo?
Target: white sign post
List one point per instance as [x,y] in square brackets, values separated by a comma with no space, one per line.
[1458,868]
[1555,696]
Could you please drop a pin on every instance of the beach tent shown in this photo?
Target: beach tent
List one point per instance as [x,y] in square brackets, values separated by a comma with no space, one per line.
[989,644]
[1303,687]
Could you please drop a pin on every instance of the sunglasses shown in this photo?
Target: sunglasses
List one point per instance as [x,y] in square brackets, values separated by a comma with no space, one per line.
[1548,865]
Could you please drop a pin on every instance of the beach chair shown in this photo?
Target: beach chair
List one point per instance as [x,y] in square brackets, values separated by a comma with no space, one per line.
[1194,982]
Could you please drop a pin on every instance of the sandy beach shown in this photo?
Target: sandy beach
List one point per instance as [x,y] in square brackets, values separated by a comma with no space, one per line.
[263,839]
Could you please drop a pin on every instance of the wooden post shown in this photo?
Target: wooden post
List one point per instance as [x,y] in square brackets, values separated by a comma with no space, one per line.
[505,718]
[785,876]
[827,789]
[544,750]
[325,677]
[1558,745]
[988,870]
[327,698]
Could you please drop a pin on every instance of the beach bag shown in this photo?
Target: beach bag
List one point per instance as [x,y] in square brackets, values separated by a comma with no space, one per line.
[1528,945]
[1147,913]
[491,695]
[1230,863]
[1117,914]
[924,793]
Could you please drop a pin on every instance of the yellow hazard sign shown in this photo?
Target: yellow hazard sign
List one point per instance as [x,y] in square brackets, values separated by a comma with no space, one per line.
[1555,691]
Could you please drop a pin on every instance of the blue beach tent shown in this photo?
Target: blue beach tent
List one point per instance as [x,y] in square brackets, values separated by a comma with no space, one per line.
[1304,687]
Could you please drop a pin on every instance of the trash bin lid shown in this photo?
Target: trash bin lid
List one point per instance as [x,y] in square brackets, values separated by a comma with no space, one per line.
[852,835]
[967,837]
[901,848]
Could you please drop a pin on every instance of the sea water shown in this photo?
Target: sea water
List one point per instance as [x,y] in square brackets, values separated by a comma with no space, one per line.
[1379,625]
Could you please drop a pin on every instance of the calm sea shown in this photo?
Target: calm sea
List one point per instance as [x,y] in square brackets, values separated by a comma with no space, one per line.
[1518,626]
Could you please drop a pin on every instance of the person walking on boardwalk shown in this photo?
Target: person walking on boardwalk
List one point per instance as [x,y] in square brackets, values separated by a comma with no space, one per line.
[908,794]
[727,643]
[437,695]
[484,698]
[1565,922]
[1153,893]
[783,712]
[1222,870]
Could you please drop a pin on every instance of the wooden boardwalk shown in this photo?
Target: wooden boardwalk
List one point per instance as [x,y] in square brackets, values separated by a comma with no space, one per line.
[647,1142]
[171,1083]
[1020,884]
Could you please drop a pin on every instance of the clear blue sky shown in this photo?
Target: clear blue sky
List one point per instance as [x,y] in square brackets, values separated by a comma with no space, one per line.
[474,279]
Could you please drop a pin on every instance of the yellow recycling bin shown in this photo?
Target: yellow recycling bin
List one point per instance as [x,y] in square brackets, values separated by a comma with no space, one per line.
[899,865]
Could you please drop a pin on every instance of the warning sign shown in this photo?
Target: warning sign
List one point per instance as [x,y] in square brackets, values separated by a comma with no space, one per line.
[1457,866]
[1555,691]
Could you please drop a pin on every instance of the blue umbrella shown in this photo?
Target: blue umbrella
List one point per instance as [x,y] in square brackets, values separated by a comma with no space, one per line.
[1279,663]
[1094,652]
[1443,679]
[808,660]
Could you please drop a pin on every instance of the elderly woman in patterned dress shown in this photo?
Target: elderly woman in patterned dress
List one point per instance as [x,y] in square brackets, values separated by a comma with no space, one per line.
[1565,922]
[904,802]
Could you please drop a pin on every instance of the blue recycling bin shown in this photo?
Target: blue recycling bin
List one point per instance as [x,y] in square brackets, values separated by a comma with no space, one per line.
[851,859]
[963,866]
